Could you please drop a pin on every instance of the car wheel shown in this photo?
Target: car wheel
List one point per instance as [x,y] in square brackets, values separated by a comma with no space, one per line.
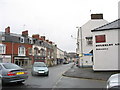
[47,74]
[3,83]
[20,82]
[32,74]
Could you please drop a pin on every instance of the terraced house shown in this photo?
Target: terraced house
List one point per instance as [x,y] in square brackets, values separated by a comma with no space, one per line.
[24,50]
[16,48]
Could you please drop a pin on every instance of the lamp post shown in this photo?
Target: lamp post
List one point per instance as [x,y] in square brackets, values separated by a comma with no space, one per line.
[80,44]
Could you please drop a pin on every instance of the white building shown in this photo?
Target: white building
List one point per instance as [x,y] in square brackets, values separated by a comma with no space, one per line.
[119,9]
[106,47]
[84,39]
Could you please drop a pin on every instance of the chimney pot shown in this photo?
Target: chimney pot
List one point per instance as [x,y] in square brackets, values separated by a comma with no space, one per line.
[35,36]
[7,30]
[43,37]
[25,33]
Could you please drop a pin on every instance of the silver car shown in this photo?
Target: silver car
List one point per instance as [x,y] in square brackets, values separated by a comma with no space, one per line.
[40,68]
[113,82]
[10,72]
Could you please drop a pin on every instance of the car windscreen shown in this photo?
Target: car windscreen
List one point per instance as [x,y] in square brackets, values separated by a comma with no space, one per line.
[39,65]
[11,66]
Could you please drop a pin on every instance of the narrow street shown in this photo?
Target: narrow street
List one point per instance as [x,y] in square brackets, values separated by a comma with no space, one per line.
[56,80]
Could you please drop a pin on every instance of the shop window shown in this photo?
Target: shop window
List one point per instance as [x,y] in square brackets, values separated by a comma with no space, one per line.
[100,38]
[2,49]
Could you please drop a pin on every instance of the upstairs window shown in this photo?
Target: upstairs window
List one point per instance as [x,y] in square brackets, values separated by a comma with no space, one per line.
[36,51]
[21,39]
[2,49]
[89,41]
[21,51]
[30,40]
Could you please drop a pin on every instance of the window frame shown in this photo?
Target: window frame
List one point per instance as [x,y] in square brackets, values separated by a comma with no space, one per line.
[21,50]
[2,49]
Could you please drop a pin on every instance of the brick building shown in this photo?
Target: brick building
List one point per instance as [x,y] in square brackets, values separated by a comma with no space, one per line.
[16,48]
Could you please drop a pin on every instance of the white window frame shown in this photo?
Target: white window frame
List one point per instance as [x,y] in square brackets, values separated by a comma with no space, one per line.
[21,51]
[2,49]
[21,39]
[30,41]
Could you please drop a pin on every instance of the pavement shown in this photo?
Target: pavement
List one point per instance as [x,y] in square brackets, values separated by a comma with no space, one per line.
[88,73]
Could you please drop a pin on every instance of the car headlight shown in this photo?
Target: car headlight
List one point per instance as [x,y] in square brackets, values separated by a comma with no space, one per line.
[46,70]
[108,84]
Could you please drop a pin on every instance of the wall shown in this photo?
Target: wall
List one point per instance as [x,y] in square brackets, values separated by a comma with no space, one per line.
[86,32]
[119,9]
[106,57]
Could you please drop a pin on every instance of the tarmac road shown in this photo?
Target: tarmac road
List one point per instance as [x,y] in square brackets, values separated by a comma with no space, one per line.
[56,80]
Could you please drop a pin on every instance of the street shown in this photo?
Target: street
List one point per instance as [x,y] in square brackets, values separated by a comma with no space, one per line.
[56,80]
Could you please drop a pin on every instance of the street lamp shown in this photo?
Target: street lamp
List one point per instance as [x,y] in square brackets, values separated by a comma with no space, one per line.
[79,40]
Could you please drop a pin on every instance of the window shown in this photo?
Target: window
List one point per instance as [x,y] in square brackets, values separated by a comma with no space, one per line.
[3,38]
[21,51]
[100,38]
[30,40]
[2,49]
[30,51]
[42,52]
[89,41]
[35,51]
[21,39]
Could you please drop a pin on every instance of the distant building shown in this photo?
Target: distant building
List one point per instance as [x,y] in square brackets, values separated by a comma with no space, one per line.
[60,56]
[72,56]
[106,47]
[39,48]
[85,39]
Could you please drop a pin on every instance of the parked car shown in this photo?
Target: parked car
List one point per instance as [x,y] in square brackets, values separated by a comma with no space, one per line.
[10,73]
[65,62]
[40,68]
[113,82]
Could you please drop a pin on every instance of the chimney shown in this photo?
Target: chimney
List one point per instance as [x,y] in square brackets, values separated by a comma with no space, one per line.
[25,33]
[35,36]
[47,40]
[43,37]
[50,42]
[7,30]
[96,16]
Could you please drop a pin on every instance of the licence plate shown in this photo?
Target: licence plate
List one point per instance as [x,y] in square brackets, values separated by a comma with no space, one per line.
[41,72]
[19,73]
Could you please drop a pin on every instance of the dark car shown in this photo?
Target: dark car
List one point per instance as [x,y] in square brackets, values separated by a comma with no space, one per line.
[10,73]
[40,68]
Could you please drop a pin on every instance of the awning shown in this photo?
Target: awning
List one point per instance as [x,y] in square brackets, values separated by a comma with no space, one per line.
[21,58]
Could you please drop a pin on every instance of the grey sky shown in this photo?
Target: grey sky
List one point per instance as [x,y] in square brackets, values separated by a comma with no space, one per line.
[56,19]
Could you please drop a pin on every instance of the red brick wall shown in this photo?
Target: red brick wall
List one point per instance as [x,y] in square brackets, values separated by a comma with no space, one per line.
[15,46]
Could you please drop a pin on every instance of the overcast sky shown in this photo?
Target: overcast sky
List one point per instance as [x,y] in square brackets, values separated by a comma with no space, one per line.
[55,19]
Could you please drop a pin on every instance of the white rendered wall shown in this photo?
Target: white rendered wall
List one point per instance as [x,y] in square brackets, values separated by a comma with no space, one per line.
[106,59]
[119,9]
[86,32]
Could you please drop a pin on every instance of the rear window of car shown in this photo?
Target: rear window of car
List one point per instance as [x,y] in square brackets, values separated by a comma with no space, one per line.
[39,65]
[11,66]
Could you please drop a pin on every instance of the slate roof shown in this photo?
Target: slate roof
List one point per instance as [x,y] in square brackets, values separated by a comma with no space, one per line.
[110,26]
